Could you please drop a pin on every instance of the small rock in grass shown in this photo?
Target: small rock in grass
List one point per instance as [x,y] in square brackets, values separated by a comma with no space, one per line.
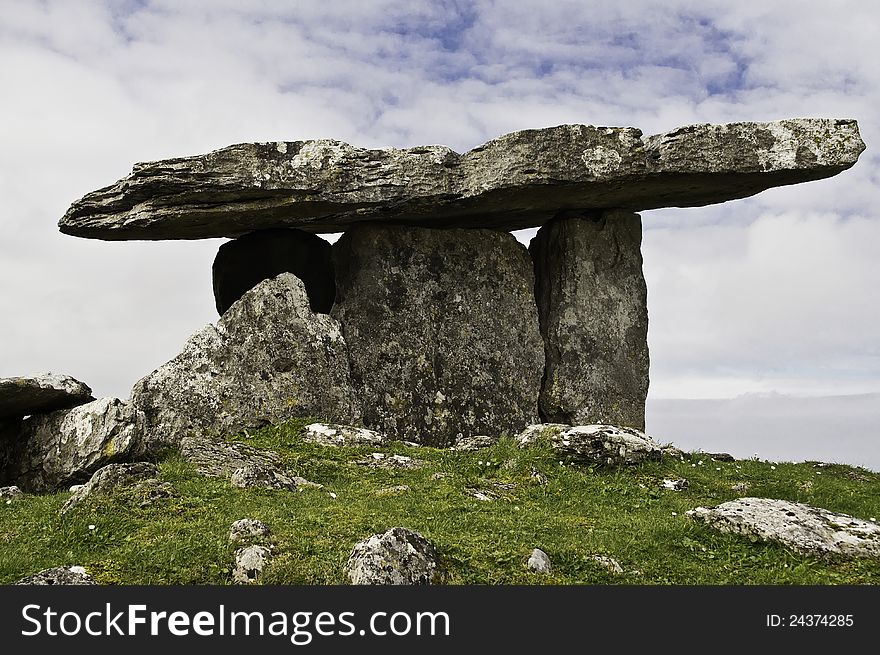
[249,563]
[248,530]
[60,575]
[675,485]
[395,557]
[611,564]
[392,491]
[539,561]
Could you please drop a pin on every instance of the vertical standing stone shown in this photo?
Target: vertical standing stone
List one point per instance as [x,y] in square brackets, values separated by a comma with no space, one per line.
[241,264]
[592,305]
[442,330]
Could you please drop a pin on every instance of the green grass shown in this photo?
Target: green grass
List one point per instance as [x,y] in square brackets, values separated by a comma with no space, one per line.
[580,512]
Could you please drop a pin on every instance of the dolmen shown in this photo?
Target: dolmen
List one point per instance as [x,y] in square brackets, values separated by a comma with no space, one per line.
[427,321]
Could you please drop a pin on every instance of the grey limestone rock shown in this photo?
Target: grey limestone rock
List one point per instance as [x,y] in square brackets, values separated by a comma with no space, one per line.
[515,181]
[110,478]
[249,563]
[474,442]
[605,445]
[396,557]
[241,264]
[323,434]
[539,561]
[60,575]
[592,306]
[244,465]
[268,359]
[442,331]
[608,563]
[40,394]
[53,450]
[11,493]
[810,530]
[248,530]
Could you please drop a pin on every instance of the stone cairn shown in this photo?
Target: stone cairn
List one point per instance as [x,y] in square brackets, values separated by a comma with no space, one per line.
[427,320]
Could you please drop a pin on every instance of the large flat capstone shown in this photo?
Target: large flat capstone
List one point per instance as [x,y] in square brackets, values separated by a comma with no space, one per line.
[40,394]
[516,181]
[442,331]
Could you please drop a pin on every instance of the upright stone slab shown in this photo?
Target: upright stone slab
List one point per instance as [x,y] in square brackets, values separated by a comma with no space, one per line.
[241,264]
[269,358]
[592,304]
[48,452]
[442,330]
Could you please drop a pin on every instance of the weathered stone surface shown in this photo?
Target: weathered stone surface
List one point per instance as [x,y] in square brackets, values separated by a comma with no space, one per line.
[606,445]
[108,479]
[474,442]
[810,530]
[442,331]
[539,561]
[517,180]
[248,530]
[396,557]
[241,264]
[592,306]
[54,450]
[391,462]
[10,493]
[244,465]
[269,358]
[61,575]
[609,563]
[249,563]
[341,435]
[40,394]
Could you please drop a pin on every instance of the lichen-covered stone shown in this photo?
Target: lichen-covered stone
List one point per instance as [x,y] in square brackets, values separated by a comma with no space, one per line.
[592,307]
[442,331]
[396,557]
[249,563]
[241,264]
[40,394]
[518,180]
[323,434]
[108,479]
[61,575]
[605,445]
[11,492]
[243,465]
[539,562]
[248,530]
[810,530]
[53,450]
[269,358]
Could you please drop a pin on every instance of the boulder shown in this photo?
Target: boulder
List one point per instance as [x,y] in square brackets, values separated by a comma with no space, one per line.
[244,465]
[268,359]
[323,434]
[442,331]
[248,530]
[11,493]
[396,557]
[40,394]
[249,563]
[605,445]
[110,478]
[592,307]
[516,181]
[54,450]
[60,575]
[241,264]
[539,561]
[809,530]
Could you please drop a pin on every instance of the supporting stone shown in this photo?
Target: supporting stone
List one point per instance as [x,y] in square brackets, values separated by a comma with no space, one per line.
[442,330]
[241,264]
[592,305]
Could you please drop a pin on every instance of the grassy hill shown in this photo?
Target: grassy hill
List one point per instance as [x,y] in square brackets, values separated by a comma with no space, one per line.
[577,513]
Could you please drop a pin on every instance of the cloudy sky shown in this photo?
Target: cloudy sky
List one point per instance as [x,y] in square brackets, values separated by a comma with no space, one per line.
[776,294]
